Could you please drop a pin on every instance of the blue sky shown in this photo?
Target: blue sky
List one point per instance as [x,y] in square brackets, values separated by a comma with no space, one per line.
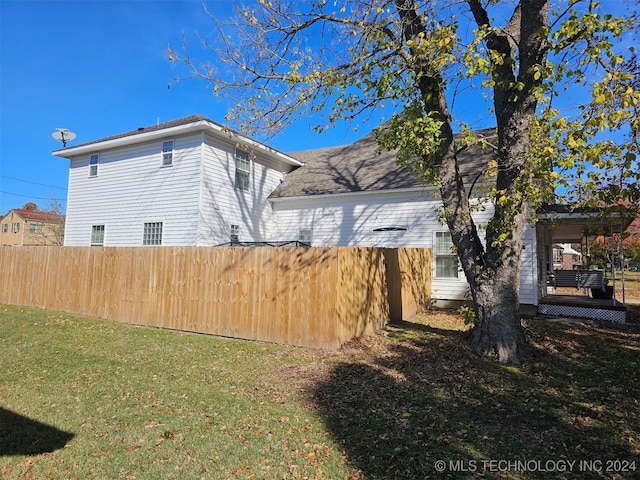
[97,68]
[100,68]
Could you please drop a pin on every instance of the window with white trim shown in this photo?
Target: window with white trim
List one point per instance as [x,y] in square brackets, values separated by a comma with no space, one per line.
[167,153]
[304,235]
[93,165]
[5,227]
[15,227]
[446,259]
[97,235]
[36,228]
[243,170]
[235,233]
[152,233]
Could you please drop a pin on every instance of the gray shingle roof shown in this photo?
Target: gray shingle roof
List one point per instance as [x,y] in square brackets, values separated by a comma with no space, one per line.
[362,167]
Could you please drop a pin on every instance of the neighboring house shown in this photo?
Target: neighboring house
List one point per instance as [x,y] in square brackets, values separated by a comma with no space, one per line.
[185,182]
[22,227]
[566,257]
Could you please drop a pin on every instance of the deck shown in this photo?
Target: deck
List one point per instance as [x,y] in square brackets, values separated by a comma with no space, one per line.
[582,306]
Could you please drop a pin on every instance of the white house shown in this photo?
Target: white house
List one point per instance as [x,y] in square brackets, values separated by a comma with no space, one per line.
[357,195]
[186,182]
[192,182]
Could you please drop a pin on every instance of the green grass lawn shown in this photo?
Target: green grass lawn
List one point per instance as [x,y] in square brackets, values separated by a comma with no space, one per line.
[632,286]
[84,398]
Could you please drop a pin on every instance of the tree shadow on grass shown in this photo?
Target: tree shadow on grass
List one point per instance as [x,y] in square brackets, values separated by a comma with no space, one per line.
[20,435]
[431,398]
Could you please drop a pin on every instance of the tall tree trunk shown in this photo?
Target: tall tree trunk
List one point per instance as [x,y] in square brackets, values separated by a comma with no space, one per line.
[498,331]
[492,269]
[496,295]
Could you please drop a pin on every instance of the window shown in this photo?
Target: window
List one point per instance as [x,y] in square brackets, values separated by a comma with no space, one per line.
[446,259]
[93,165]
[152,234]
[243,168]
[304,235]
[97,235]
[15,227]
[235,233]
[35,228]
[557,255]
[167,153]
[5,227]
[392,228]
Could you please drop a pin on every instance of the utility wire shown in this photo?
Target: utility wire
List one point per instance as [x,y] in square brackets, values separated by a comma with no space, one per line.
[34,183]
[29,196]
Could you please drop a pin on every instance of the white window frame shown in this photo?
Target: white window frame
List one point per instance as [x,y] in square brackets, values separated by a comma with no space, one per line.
[167,153]
[152,233]
[444,252]
[36,228]
[5,228]
[15,227]
[94,161]
[234,233]
[97,240]
[242,178]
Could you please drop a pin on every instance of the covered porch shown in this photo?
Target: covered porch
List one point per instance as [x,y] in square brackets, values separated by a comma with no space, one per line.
[570,282]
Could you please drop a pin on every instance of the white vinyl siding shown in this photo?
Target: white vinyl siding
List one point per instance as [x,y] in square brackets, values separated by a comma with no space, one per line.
[132,190]
[221,204]
[351,221]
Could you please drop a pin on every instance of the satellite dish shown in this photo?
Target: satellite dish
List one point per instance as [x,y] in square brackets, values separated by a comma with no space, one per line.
[63,135]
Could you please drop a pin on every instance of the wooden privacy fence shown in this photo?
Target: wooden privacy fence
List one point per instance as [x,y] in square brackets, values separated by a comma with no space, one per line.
[314,297]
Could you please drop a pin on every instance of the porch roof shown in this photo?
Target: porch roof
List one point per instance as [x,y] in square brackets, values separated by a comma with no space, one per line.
[571,225]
